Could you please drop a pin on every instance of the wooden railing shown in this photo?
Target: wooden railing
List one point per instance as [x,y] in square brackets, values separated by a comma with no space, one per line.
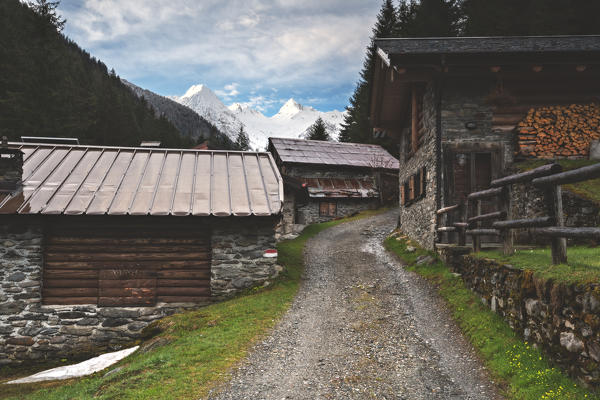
[549,178]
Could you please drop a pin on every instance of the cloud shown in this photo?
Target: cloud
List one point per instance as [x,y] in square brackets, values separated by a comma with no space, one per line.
[312,45]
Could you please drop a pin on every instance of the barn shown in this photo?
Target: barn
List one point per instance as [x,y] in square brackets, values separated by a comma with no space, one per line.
[464,110]
[325,180]
[97,242]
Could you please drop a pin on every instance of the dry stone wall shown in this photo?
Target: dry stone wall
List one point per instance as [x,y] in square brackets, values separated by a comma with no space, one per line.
[562,319]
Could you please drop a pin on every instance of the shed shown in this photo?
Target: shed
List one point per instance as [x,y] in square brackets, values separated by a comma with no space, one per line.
[463,110]
[90,231]
[324,180]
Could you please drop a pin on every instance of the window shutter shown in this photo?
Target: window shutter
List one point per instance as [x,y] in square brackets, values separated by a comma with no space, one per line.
[323,208]
[411,188]
[423,182]
[332,209]
[402,199]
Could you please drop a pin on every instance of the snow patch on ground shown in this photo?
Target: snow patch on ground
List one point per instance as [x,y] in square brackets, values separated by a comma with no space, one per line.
[77,370]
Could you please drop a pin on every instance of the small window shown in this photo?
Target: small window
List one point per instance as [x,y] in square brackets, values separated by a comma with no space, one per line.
[328,209]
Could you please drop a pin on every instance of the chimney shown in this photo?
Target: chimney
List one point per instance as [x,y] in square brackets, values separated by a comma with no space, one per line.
[11,167]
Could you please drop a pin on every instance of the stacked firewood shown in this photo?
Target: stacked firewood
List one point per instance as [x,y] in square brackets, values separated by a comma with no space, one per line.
[559,131]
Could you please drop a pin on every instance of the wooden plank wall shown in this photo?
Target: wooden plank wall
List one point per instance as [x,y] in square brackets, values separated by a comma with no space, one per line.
[133,265]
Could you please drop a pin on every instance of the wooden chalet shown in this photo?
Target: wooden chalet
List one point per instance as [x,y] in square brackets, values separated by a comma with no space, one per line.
[463,110]
[325,180]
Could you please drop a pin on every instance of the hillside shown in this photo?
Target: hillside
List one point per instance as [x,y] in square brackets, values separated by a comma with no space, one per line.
[186,120]
[292,120]
[49,86]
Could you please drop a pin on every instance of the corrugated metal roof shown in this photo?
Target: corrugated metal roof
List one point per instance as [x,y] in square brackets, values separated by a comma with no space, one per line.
[332,153]
[340,188]
[93,180]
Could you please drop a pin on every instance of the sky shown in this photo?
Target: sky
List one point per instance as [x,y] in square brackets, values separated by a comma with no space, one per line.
[255,52]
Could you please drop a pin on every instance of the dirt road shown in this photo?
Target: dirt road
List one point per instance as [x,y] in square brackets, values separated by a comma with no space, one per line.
[361,327]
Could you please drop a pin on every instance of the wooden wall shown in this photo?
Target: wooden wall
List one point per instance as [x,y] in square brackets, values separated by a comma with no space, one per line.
[126,264]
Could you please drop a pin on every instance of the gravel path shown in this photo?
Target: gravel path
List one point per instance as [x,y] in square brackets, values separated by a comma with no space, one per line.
[361,327]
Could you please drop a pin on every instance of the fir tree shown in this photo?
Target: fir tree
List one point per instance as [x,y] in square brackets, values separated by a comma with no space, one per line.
[243,141]
[47,10]
[356,126]
[318,131]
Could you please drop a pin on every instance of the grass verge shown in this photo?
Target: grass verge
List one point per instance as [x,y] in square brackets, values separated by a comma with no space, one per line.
[524,370]
[589,190]
[583,263]
[202,345]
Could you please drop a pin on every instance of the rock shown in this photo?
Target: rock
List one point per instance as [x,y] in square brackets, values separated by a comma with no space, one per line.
[425,259]
[30,331]
[88,322]
[118,313]
[6,329]
[16,277]
[410,249]
[12,307]
[153,344]
[243,282]
[594,350]
[572,343]
[20,341]
[533,307]
[136,326]
[112,372]
[76,330]
[71,315]
[114,322]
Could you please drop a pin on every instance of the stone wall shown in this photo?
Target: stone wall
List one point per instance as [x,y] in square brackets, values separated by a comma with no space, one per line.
[309,213]
[31,331]
[238,248]
[528,202]
[418,219]
[563,320]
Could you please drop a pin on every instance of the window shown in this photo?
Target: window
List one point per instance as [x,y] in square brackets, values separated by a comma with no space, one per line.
[327,209]
[414,188]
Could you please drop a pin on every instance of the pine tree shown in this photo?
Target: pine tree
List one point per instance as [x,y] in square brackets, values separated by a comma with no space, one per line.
[243,141]
[318,131]
[47,10]
[356,126]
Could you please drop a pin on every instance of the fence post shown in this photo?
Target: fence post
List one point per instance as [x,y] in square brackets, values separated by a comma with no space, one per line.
[553,199]
[462,232]
[507,235]
[476,238]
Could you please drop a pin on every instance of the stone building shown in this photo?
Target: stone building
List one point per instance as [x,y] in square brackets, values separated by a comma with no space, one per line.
[455,107]
[97,242]
[327,180]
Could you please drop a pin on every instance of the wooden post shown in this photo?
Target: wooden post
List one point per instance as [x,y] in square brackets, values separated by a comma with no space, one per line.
[553,199]
[462,236]
[476,239]
[507,235]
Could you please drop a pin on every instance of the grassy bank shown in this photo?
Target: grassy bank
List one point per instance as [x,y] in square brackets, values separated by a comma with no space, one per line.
[583,263]
[524,370]
[200,346]
[588,189]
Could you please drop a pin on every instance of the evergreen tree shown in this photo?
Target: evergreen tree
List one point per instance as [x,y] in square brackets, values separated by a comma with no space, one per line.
[47,10]
[243,141]
[356,126]
[432,18]
[318,131]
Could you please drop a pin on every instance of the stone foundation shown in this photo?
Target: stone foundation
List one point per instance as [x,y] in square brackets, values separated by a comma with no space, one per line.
[563,320]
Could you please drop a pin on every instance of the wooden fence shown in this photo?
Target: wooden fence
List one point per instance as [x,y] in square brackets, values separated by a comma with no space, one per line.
[549,179]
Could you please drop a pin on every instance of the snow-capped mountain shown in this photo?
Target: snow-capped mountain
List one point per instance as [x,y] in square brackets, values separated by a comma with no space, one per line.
[292,120]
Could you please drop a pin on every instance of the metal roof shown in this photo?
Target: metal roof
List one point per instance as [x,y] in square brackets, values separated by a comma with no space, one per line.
[93,180]
[332,153]
[481,45]
[340,188]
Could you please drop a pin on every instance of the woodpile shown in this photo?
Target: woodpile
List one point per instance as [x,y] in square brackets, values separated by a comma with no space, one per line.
[559,131]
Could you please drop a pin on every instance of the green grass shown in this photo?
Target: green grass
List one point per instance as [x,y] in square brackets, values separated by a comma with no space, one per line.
[204,344]
[583,263]
[588,189]
[523,370]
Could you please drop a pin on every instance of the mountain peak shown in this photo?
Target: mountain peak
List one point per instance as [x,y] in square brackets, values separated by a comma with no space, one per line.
[290,106]
[197,89]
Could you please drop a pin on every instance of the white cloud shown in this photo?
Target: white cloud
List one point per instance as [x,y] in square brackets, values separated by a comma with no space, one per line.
[255,43]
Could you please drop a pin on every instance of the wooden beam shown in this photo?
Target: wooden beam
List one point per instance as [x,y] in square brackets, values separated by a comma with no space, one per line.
[488,217]
[447,209]
[485,193]
[528,176]
[573,176]
[567,232]
[524,223]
